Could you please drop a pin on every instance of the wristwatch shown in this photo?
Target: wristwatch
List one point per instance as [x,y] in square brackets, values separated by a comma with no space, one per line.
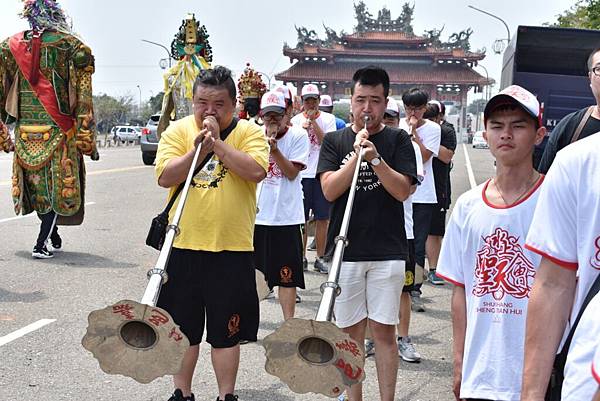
[375,161]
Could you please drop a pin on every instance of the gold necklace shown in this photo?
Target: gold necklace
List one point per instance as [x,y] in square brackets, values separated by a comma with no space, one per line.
[529,185]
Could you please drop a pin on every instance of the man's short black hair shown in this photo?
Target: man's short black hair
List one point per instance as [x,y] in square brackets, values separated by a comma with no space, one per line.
[590,59]
[372,75]
[415,97]
[217,76]
[432,111]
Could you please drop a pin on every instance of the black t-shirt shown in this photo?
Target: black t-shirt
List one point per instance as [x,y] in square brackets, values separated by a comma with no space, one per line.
[563,133]
[441,170]
[376,228]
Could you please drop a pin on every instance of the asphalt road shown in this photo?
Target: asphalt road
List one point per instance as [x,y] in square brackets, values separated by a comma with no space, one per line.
[105,260]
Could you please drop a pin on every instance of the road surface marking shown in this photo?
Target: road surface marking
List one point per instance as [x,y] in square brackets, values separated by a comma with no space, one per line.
[33,214]
[98,172]
[25,330]
[469,168]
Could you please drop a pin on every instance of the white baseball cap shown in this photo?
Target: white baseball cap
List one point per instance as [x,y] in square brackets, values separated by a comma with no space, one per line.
[310,90]
[285,91]
[392,107]
[514,94]
[325,101]
[272,101]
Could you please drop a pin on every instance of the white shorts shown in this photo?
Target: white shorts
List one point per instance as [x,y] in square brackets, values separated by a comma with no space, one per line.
[369,289]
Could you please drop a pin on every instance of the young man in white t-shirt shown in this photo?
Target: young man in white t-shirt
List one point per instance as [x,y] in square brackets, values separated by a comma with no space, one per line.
[427,135]
[317,123]
[596,372]
[277,234]
[566,233]
[483,254]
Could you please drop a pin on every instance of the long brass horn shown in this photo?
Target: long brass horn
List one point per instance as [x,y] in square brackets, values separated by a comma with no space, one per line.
[138,339]
[315,355]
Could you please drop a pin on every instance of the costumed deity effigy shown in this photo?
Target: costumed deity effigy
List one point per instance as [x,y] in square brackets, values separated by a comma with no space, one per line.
[46,91]
[251,87]
[193,52]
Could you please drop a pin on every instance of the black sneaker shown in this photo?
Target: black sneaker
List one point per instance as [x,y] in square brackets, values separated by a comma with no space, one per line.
[298,299]
[178,396]
[320,266]
[313,245]
[305,264]
[55,246]
[41,253]
[229,397]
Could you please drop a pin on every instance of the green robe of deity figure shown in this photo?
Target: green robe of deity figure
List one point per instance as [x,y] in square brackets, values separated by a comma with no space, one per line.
[46,90]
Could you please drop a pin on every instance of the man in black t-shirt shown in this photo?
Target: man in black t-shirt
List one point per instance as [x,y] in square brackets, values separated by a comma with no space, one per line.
[562,135]
[372,272]
[441,175]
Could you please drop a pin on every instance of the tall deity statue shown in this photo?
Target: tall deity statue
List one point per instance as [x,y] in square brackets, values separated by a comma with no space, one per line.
[46,92]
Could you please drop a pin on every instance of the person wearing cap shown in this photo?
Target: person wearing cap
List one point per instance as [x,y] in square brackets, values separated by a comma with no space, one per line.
[317,123]
[427,135]
[483,254]
[277,234]
[326,105]
[441,175]
[372,270]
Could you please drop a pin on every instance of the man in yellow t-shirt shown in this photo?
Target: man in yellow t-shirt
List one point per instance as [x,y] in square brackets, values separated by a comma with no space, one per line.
[211,273]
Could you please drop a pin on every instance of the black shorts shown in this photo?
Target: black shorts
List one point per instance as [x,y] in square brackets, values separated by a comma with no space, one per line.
[409,268]
[438,222]
[314,199]
[278,254]
[219,287]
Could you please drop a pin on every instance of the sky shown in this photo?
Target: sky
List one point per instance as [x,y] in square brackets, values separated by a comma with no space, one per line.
[255,31]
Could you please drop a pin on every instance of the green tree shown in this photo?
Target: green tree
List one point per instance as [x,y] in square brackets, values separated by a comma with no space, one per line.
[583,14]
[110,111]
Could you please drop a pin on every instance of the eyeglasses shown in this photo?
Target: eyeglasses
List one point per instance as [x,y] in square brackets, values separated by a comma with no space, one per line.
[413,109]
[596,71]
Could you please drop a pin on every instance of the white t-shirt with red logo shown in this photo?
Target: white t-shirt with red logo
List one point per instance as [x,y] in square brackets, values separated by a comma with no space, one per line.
[280,199]
[326,122]
[566,230]
[596,365]
[430,134]
[483,251]
[408,209]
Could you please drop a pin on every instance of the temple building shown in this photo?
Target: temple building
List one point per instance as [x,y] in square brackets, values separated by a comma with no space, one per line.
[444,69]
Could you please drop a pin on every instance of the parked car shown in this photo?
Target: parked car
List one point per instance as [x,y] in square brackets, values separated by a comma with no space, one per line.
[125,133]
[479,141]
[149,140]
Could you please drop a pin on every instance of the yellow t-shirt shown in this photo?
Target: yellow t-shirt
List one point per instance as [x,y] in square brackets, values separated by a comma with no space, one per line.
[220,209]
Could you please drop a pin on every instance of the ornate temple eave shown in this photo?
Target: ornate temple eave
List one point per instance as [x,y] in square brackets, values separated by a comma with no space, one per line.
[384,37]
[324,54]
[399,74]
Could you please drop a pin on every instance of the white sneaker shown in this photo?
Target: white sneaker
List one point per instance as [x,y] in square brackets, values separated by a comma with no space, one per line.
[407,350]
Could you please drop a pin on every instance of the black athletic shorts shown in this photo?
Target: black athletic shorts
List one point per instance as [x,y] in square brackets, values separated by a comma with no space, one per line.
[409,268]
[219,287]
[314,199]
[438,222]
[278,254]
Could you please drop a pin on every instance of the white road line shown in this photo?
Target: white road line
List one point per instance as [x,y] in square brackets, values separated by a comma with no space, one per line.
[25,330]
[469,168]
[32,215]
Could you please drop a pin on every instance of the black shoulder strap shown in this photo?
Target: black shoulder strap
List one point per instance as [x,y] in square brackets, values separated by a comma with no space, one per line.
[582,123]
[224,134]
[590,295]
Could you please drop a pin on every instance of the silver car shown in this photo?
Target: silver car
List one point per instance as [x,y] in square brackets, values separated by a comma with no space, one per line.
[149,140]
